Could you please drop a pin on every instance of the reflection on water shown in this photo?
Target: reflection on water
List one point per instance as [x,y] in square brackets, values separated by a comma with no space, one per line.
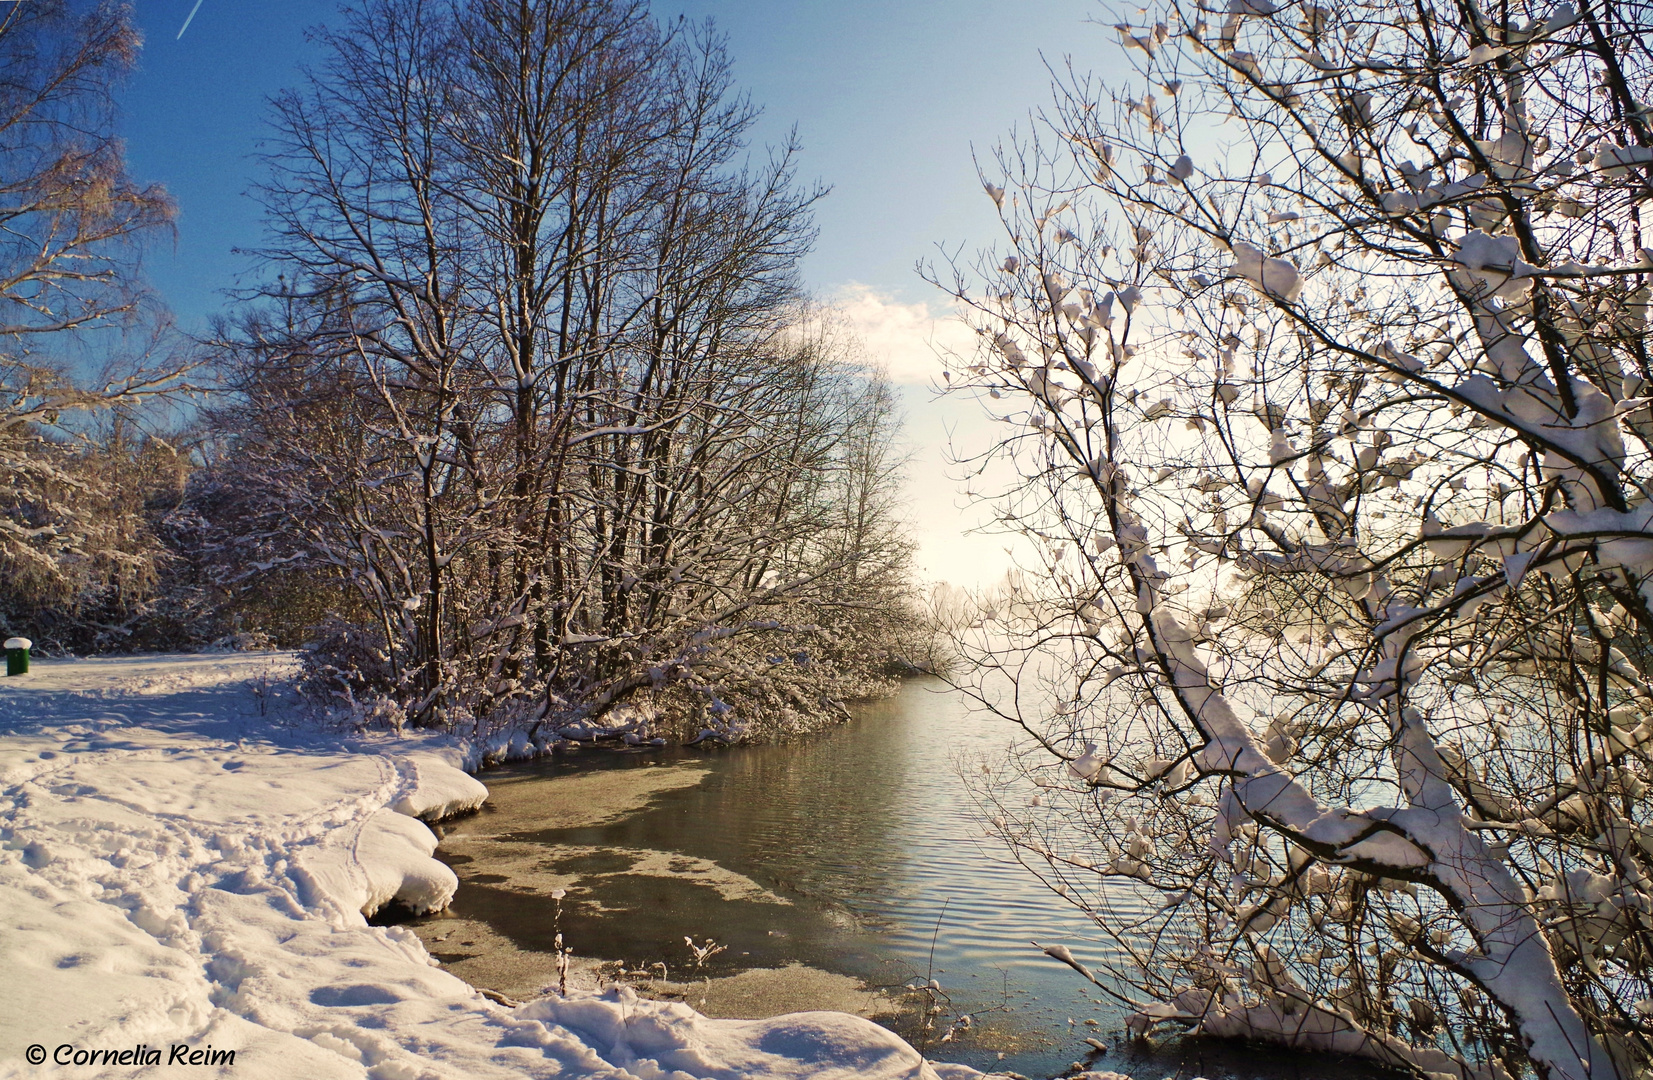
[839,852]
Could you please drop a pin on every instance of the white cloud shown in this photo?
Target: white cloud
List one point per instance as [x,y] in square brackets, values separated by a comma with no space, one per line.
[913,341]
[910,340]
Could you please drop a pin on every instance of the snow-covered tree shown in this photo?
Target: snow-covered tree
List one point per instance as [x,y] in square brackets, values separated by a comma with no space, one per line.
[537,379]
[70,536]
[1322,343]
[82,556]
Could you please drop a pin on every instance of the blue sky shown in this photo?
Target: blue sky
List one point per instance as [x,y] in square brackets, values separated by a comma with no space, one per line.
[889,98]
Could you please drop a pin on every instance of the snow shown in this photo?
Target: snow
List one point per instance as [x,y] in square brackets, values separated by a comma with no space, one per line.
[1274,277]
[1616,161]
[1311,1025]
[180,867]
[1483,54]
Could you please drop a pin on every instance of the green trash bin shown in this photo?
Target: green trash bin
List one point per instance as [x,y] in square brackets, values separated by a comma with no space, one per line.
[17,655]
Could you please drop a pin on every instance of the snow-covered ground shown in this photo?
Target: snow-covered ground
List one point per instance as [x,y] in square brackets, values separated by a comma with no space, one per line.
[179,869]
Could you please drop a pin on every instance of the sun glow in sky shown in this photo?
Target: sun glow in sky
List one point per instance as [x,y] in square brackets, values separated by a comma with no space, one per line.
[891,99]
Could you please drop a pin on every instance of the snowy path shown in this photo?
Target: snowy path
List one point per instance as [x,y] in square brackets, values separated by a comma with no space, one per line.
[177,870]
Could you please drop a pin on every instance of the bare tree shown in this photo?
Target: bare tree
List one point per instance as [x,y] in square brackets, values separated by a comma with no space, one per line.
[573,444]
[1323,343]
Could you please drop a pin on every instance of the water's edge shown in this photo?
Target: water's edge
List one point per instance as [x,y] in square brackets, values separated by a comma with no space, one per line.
[819,869]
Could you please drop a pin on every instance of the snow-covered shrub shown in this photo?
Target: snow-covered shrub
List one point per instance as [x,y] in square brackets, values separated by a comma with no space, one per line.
[1324,347]
[70,537]
[242,641]
[236,565]
[764,680]
[346,667]
[86,559]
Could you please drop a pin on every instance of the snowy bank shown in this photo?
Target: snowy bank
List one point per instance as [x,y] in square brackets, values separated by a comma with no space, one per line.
[180,872]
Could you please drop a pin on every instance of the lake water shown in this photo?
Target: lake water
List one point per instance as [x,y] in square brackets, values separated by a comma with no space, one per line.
[840,852]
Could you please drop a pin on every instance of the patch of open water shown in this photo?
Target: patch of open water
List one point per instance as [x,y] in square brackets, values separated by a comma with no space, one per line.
[840,852]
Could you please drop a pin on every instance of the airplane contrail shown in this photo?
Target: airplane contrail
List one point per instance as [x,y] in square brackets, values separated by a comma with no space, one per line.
[189,20]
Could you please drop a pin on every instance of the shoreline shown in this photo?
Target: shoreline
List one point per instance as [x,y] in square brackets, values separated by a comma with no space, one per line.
[490,961]
[183,863]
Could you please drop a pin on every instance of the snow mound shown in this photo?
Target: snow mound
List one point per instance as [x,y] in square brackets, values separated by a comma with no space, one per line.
[442,790]
[650,1039]
[385,858]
